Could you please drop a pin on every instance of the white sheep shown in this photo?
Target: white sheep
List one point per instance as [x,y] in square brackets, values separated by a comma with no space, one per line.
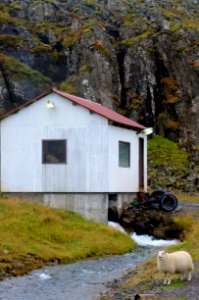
[176,262]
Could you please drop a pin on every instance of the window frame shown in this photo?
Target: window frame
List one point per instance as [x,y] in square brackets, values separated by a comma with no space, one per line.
[44,162]
[129,154]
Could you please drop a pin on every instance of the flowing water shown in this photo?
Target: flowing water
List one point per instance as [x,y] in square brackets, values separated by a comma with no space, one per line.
[82,280]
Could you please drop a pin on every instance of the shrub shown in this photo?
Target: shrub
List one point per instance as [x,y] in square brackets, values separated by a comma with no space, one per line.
[167,163]
[163,152]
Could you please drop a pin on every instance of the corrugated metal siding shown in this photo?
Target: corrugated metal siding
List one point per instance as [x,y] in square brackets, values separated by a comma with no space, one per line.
[86,135]
[92,151]
[101,110]
[122,179]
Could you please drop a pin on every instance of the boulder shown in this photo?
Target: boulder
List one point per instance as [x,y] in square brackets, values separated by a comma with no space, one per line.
[151,221]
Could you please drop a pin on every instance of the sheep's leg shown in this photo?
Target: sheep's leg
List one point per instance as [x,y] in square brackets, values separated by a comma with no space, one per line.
[183,276]
[189,276]
[167,279]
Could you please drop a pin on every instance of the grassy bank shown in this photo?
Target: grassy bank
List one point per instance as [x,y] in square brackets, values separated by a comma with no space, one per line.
[33,235]
[146,277]
[149,271]
[187,198]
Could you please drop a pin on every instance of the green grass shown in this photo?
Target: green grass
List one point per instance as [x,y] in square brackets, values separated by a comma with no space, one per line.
[182,196]
[174,285]
[187,198]
[163,153]
[147,277]
[38,235]
[167,162]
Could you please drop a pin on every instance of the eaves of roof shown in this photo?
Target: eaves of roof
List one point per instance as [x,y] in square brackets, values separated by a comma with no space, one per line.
[90,105]
[101,110]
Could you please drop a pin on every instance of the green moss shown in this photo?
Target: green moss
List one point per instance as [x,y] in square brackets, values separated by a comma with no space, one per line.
[170,83]
[99,46]
[171,99]
[41,48]
[165,153]
[15,6]
[173,13]
[92,2]
[19,71]
[128,20]
[5,18]
[69,85]
[174,26]
[8,40]
[174,285]
[75,36]
[191,24]
[138,38]
[86,69]
[36,2]
[170,88]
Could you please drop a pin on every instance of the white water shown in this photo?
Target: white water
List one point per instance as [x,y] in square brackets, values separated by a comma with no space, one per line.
[116,226]
[145,240]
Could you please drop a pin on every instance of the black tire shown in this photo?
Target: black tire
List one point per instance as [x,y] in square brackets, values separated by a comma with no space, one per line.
[157,194]
[168,202]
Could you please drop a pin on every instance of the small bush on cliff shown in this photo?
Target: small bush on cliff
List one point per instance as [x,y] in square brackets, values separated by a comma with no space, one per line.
[166,162]
[163,152]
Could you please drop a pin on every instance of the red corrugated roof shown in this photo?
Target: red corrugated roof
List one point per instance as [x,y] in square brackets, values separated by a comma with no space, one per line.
[90,105]
[100,110]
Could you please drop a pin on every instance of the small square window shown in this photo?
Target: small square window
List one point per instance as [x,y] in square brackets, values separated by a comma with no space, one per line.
[53,151]
[124,154]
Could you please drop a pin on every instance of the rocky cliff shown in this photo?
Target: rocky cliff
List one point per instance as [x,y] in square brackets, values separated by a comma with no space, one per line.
[139,57]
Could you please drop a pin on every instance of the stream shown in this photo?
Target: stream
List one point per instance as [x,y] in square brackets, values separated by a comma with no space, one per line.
[83,280]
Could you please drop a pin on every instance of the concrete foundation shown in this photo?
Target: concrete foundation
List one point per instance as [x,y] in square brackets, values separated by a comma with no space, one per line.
[93,207]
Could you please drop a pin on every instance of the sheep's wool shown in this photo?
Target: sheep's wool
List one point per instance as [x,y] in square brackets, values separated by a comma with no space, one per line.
[176,262]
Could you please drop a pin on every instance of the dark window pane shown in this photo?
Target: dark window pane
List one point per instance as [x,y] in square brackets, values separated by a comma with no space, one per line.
[124,154]
[54,151]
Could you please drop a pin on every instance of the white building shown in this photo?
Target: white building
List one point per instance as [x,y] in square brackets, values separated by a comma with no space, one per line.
[72,153]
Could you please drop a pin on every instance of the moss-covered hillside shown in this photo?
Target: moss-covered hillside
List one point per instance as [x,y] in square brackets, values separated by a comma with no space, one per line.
[169,166]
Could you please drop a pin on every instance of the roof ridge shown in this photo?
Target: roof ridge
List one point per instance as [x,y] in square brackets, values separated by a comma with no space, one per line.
[102,110]
[95,107]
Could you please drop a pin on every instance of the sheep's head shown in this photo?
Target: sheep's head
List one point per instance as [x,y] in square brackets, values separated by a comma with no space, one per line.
[162,255]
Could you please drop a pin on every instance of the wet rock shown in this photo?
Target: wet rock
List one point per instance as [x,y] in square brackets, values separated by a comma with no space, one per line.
[151,221]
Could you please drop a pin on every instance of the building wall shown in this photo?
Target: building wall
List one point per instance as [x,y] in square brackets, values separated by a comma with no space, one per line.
[93,207]
[92,170]
[21,160]
[92,151]
[124,179]
[117,174]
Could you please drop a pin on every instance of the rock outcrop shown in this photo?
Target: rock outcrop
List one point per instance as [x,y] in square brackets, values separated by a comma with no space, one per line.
[151,221]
